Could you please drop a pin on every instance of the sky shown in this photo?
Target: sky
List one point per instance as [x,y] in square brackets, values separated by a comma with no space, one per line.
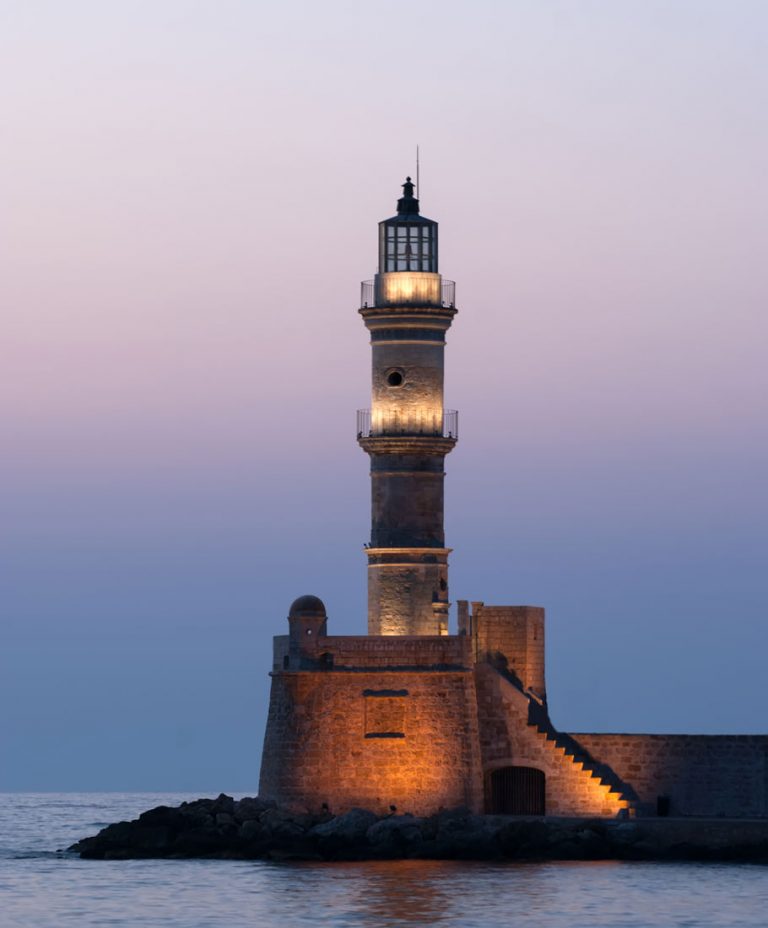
[190,192]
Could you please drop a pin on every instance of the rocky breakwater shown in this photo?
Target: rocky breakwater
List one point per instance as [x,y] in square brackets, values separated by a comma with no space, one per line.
[252,829]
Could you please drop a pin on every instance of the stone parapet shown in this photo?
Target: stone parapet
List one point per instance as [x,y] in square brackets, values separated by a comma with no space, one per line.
[359,653]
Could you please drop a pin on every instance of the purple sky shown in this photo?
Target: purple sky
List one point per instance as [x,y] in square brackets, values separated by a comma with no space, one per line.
[190,192]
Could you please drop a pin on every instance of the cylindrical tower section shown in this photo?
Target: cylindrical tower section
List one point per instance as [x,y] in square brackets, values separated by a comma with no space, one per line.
[407,432]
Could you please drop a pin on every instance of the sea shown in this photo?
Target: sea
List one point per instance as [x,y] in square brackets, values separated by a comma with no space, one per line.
[42,886]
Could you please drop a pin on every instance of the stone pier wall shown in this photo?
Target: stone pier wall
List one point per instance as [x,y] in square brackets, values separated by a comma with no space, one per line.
[702,775]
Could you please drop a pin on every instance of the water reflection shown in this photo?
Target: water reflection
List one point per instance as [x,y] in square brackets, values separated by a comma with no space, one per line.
[396,894]
[402,892]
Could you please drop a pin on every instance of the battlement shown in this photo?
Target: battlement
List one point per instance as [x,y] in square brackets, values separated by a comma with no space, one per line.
[366,652]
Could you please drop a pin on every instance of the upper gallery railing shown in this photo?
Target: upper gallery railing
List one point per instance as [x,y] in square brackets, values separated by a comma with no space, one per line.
[403,289]
[441,423]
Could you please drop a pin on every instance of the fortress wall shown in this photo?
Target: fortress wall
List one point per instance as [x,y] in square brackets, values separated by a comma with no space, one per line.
[397,651]
[372,740]
[706,775]
[515,633]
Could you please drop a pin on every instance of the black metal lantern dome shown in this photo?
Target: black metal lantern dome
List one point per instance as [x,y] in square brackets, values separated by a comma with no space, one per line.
[408,241]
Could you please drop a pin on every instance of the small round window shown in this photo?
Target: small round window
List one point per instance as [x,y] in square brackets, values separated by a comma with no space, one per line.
[395,378]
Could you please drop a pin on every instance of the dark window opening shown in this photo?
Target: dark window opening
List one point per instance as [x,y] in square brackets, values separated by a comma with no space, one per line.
[394,378]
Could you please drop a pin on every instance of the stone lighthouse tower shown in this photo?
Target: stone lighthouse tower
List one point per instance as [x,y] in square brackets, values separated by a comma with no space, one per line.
[407,432]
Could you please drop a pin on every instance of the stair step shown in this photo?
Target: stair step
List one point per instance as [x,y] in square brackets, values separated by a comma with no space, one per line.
[596,771]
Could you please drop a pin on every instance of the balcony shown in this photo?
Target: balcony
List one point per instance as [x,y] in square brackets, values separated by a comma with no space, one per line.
[408,289]
[408,422]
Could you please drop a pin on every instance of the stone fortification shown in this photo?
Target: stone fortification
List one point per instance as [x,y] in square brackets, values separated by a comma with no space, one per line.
[425,723]
[412,718]
[696,775]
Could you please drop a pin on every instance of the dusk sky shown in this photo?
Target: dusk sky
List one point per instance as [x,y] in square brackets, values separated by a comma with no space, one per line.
[190,192]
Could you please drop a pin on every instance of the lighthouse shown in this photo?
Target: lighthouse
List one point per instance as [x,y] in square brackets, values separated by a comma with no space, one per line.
[407,432]
[412,718]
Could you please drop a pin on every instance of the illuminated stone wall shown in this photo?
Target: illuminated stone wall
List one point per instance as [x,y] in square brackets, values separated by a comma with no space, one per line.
[403,588]
[373,739]
[422,723]
[513,636]
[708,775]
[399,651]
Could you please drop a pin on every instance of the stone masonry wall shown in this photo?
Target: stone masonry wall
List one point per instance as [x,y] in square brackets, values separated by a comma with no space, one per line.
[706,775]
[361,652]
[400,597]
[373,739]
[514,635]
[398,651]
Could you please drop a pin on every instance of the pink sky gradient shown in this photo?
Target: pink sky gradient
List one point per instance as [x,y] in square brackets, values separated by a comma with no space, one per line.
[190,192]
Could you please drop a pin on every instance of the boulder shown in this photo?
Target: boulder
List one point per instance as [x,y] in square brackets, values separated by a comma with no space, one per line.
[396,836]
[250,808]
[344,835]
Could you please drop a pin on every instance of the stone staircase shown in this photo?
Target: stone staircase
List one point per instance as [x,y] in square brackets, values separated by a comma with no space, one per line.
[615,794]
[577,784]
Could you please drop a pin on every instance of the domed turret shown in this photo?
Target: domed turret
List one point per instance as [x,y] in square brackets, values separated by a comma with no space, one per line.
[307,621]
[306,605]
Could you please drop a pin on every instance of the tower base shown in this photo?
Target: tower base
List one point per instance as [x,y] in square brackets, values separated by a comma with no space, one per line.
[408,591]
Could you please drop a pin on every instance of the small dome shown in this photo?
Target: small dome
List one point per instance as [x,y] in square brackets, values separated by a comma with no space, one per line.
[307,605]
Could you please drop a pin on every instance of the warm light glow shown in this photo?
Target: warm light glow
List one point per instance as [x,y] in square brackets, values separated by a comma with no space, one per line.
[403,288]
[399,420]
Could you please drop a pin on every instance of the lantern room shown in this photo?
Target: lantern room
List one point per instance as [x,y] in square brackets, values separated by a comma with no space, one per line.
[408,241]
[407,274]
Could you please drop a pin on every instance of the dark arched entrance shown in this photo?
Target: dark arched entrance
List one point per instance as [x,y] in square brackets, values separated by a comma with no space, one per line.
[517,791]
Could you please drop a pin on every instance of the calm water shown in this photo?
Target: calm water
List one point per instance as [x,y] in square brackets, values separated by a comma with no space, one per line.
[39,888]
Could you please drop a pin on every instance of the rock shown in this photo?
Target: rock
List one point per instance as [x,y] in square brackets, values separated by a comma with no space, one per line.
[223,803]
[249,808]
[525,838]
[251,830]
[281,824]
[254,829]
[461,835]
[343,835]
[396,836]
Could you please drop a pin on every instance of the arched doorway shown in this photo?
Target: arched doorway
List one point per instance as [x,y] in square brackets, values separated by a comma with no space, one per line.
[517,791]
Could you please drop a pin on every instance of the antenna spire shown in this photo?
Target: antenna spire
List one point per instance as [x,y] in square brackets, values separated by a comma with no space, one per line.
[417,172]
